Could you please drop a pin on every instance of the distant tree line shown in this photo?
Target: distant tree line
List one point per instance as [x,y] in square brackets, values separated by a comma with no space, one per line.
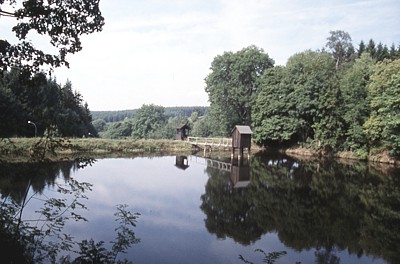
[113,116]
[338,98]
[55,109]
[120,115]
[149,121]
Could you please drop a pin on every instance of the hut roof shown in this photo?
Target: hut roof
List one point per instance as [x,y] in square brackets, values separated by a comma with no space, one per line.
[243,129]
[182,126]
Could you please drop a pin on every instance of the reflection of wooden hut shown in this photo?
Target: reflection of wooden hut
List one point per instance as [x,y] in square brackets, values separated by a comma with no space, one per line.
[182,162]
[241,139]
[182,132]
[240,174]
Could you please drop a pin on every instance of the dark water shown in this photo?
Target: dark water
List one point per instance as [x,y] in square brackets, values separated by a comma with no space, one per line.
[196,210]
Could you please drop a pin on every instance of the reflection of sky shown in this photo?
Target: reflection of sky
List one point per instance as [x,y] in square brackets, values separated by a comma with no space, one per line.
[171,226]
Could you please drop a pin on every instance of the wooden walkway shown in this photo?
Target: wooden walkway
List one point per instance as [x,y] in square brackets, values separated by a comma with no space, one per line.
[209,143]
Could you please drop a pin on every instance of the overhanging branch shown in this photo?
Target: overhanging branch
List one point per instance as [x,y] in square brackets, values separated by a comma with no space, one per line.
[7,14]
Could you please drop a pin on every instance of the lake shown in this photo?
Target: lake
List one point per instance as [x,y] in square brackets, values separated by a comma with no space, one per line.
[193,209]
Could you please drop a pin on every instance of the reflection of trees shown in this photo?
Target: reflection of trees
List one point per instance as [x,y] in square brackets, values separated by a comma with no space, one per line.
[16,178]
[41,239]
[325,206]
[229,210]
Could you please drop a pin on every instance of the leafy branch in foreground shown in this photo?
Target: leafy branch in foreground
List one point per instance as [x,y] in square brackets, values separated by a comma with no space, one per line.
[64,22]
[269,258]
[41,238]
[92,252]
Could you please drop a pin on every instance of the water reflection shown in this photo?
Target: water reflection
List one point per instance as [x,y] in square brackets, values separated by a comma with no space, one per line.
[37,236]
[182,162]
[239,169]
[329,207]
[240,173]
[315,212]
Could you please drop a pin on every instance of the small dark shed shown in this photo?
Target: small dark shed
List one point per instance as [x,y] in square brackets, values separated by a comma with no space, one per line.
[241,138]
[182,132]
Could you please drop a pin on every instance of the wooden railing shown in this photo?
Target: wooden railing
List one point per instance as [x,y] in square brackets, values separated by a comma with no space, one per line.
[211,142]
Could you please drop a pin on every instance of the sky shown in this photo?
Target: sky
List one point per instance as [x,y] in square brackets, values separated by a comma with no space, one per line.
[160,51]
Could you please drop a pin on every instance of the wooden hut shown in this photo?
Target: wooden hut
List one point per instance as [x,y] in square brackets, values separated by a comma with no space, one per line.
[241,139]
[182,132]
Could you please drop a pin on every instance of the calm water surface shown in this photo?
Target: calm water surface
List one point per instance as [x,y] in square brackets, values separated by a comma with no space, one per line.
[197,210]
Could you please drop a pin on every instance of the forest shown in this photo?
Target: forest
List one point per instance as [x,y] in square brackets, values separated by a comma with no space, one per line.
[338,98]
[54,109]
[149,121]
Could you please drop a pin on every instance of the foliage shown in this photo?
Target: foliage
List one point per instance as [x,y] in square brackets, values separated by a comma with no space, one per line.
[99,125]
[299,101]
[353,86]
[47,146]
[62,21]
[203,127]
[92,252]
[232,85]
[118,130]
[383,125]
[50,106]
[378,52]
[269,258]
[31,235]
[178,111]
[42,240]
[339,43]
[273,115]
[113,116]
[337,101]
[351,208]
[148,120]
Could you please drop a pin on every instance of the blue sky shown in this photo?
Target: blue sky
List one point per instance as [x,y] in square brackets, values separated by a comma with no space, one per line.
[159,52]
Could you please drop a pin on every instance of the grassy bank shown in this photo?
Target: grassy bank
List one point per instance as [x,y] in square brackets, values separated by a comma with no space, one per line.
[56,148]
[378,157]
[59,147]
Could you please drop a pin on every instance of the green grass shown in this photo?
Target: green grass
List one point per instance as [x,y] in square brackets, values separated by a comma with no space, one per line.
[27,147]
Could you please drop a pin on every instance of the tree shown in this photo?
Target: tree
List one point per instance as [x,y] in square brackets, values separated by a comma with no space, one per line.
[361,48]
[356,107]
[300,102]
[119,130]
[9,108]
[383,125]
[274,117]
[393,53]
[148,119]
[99,124]
[371,48]
[53,108]
[339,42]
[317,97]
[63,21]
[232,85]
[74,118]
[202,127]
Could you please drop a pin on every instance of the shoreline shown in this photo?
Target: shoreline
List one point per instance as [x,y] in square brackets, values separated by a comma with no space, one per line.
[61,149]
[382,158]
